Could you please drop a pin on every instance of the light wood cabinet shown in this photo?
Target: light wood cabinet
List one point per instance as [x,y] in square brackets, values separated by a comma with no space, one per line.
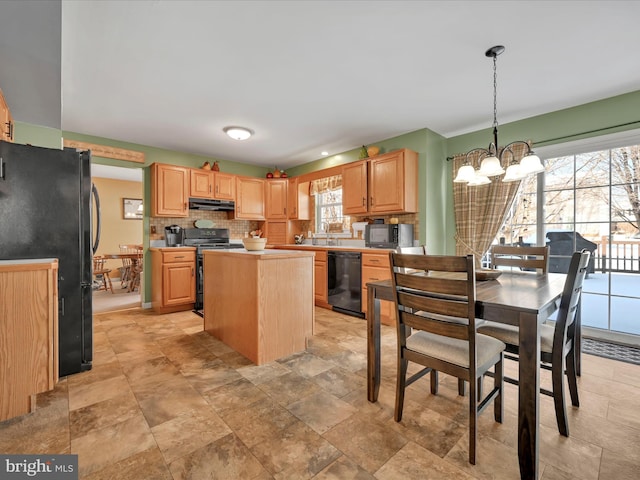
[298,200]
[250,197]
[276,199]
[393,182]
[173,279]
[262,306]
[211,184]
[276,232]
[354,188]
[320,268]
[169,190]
[200,183]
[6,120]
[224,186]
[383,184]
[28,333]
[375,267]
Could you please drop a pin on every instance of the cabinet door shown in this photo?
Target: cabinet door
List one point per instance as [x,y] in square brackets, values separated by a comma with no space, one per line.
[169,190]
[375,267]
[276,201]
[179,283]
[249,198]
[386,180]
[393,182]
[6,121]
[354,188]
[224,186]
[320,276]
[201,183]
[298,200]
[276,232]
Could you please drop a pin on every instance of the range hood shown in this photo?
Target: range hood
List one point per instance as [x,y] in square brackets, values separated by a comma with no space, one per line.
[211,204]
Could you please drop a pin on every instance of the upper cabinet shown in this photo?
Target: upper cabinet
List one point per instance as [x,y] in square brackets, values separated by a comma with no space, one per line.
[383,184]
[169,190]
[6,121]
[210,184]
[250,198]
[276,199]
[298,200]
[354,188]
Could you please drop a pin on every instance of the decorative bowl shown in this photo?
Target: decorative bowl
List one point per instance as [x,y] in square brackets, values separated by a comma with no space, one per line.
[372,151]
[254,244]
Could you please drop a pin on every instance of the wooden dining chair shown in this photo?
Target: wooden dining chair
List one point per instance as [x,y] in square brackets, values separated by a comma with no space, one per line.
[127,273]
[557,343]
[520,257]
[102,274]
[440,311]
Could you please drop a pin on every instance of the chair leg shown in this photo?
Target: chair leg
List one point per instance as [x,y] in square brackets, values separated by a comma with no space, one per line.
[557,380]
[498,382]
[473,421]
[434,382]
[572,378]
[400,386]
[108,280]
[479,394]
[462,389]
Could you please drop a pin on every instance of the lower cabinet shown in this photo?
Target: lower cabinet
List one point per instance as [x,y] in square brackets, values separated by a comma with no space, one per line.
[320,267]
[375,267]
[173,279]
[28,333]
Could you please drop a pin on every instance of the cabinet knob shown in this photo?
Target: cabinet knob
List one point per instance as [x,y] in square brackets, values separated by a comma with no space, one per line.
[371,200]
[364,200]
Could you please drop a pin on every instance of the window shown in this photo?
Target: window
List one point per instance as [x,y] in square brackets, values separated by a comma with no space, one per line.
[589,200]
[329,216]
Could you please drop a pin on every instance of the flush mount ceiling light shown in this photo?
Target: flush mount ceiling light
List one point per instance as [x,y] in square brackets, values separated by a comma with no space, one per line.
[492,158]
[238,133]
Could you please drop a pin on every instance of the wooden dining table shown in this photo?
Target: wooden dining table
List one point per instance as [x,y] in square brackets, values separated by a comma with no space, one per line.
[136,260]
[524,299]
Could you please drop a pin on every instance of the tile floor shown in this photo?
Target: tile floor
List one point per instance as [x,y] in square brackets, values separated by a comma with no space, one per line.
[165,400]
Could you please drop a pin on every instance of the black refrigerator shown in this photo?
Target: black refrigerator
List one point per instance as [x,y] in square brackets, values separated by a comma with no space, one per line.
[45,212]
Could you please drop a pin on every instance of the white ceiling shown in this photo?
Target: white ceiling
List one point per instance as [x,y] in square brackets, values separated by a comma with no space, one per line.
[326,75]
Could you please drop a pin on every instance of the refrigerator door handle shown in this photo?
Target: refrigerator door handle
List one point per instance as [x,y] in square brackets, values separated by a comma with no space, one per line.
[96,242]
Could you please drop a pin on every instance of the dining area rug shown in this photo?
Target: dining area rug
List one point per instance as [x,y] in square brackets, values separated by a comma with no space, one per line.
[614,351]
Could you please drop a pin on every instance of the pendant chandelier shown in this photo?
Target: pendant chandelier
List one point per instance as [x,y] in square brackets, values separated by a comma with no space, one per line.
[492,159]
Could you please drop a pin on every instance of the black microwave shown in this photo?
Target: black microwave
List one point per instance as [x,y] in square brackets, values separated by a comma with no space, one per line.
[388,235]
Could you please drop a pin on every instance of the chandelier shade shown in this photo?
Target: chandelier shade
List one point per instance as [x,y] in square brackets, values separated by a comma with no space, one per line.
[492,160]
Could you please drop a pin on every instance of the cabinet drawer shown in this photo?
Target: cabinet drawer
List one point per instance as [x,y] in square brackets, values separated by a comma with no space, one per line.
[321,255]
[175,257]
[374,274]
[376,260]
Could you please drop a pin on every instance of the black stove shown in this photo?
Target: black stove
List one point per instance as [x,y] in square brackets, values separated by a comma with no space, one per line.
[206,239]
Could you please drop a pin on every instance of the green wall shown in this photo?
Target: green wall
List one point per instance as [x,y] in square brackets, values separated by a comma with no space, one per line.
[611,115]
[437,223]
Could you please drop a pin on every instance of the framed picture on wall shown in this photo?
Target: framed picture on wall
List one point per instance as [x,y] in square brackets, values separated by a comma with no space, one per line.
[132,208]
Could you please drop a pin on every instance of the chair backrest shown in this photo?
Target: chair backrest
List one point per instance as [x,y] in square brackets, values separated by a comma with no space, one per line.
[521,257]
[566,323]
[421,250]
[98,263]
[131,248]
[439,300]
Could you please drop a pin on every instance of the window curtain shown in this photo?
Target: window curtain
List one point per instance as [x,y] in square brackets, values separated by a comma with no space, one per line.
[480,211]
[327,184]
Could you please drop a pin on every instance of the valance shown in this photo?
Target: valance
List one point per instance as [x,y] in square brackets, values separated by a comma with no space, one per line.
[324,185]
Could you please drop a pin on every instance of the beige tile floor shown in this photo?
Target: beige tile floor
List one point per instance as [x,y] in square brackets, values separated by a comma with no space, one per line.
[167,401]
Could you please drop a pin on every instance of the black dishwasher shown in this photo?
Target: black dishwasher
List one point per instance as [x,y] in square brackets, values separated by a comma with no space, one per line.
[345,282]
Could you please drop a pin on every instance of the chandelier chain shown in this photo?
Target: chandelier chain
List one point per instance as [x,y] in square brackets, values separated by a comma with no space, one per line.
[495,92]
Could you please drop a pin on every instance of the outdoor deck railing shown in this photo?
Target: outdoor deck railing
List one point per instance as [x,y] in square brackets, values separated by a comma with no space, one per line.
[617,255]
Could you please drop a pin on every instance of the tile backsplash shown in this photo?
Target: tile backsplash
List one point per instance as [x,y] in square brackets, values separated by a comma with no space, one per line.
[237,228]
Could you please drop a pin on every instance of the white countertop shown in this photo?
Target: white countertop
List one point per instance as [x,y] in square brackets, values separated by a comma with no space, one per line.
[265,252]
[27,261]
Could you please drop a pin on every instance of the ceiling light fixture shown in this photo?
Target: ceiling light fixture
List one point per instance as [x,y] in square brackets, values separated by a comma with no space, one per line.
[492,158]
[324,154]
[238,133]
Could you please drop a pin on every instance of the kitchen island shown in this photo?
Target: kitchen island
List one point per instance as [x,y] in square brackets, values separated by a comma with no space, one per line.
[260,303]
